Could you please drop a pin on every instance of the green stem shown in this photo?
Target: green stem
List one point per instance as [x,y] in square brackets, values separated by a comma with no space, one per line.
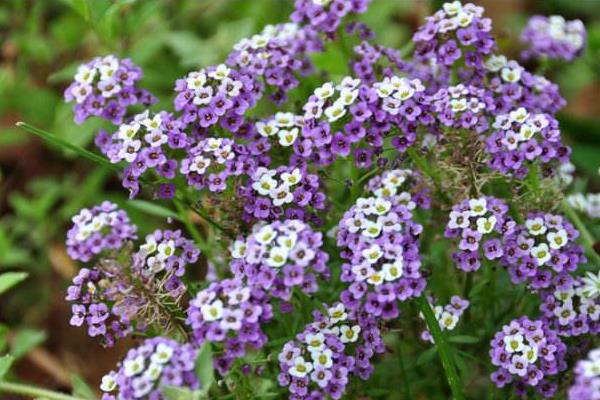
[403,374]
[586,236]
[34,392]
[444,351]
[424,167]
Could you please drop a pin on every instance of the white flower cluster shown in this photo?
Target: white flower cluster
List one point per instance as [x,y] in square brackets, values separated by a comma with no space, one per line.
[156,254]
[104,70]
[347,93]
[555,26]
[372,218]
[523,352]
[391,182]
[461,101]
[478,216]
[510,71]
[286,126]
[277,186]
[274,245]
[396,90]
[153,134]
[199,82]
[528,125]
[454,16]
[591,366]
[573,303]
[258,43]
[87,223]
[549,234]
[218,149]
[587,203]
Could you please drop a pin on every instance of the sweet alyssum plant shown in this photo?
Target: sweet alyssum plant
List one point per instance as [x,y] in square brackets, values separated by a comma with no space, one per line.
[324,200]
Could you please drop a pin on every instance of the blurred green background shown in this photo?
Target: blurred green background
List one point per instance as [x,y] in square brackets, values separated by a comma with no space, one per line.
[41,44]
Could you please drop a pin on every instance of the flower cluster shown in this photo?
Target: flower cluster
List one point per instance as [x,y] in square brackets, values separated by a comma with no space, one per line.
[285,127]
[105,87]
[528,353]
[281,256]
[92,307]
[326,15]
[542,247]
[214,93]
[462,107]
[231,313]
[521,137]
[512,87]
[401,185]
[146,369]
[568,310]
[103,227]
[553,37]
[588,203]
[145,144]
[379,240]
[210,162]
[479,225]
[277,54]
[587,378]
[272,193]
[318,363]
[447,316]
[454,31]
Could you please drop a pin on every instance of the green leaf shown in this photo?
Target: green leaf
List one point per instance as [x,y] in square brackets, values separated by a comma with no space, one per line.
[426,356]
[5,363]
[10,279]
[478,287]
[25,340]
[204,367]
[178,393]
[81,388]
[153,209]
[81,7]
[3,335]
[465,339]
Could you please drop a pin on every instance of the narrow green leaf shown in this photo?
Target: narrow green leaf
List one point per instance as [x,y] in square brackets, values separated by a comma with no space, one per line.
[444,351]
[81,388]
[10,279]
[5,363]
[204,367]
[25,340]
[426,356]
[55,140]
[153,209]
[464,339]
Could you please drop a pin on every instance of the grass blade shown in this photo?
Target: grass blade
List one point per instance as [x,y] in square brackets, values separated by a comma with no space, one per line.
[444,350]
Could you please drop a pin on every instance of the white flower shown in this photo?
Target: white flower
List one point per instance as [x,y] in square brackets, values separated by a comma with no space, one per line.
[281,195]
[458,105]
[459,219]
[85,74]
[376,278]
[486,225]
[323,358]
[337,313]
[267,129]
[372,254]
[152,123]
[153,372]
[285,120]
[288,241]
[591,288]
[511,75]
[150,246]
[526,132]
[452,8]
[371,229]
[355,223]
[200,164]
[478,206]
[392,271]
[381,206]
[349,334]
[195,80]
[300,368]
[128,131]
[557,239]
[495,63]
[213,311]
[324,91]
[448,320]
[384,89]
[292,178]
[464,19]
[348,83]
[287,137]
[536,226]
[133,367]
[238,296]
[277,257]
[166,250]
[265,235]
[265,185]
[335,111]
[541,253]
[513,343]
[221,72]
[162,354]
[109,383]
[565,313]
[347,96]
[315,341]
[530,353]
[519,115]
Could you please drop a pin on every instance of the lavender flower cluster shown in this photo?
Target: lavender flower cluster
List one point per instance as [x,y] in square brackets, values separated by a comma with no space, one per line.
[105,87]
[527,353]
[157,362]
[587,378]
[553,37]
